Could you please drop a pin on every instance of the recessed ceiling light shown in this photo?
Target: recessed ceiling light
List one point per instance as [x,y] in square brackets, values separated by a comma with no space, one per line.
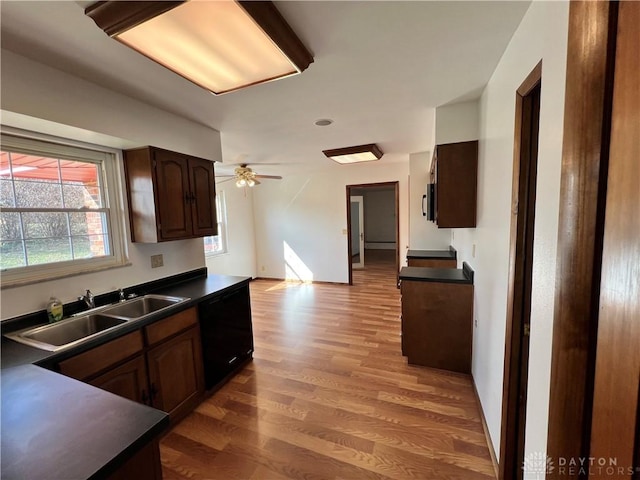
[324,122]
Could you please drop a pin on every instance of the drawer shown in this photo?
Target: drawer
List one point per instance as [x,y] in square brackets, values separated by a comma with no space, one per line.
[97,359]
[156,332]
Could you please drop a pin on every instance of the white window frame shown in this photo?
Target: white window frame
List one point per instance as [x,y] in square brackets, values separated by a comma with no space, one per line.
[108,159]
[221,210]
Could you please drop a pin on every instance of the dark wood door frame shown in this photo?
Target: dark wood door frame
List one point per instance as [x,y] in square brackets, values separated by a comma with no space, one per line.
[516,361]
[583,187]
[396,186]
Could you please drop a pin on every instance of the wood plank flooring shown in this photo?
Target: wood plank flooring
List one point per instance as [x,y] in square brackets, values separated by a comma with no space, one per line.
[329,396]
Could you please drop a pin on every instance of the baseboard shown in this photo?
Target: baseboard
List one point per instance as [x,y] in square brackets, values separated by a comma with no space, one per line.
[276,279]
[492,452]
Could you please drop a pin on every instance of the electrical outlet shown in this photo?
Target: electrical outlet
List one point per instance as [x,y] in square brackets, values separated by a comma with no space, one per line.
[157,261]
[262,268]
[344,231]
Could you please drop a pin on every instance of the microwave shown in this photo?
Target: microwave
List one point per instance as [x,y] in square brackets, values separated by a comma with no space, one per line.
[429,203]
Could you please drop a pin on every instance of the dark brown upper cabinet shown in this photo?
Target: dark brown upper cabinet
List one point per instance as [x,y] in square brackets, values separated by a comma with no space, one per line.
[454,170]
[171,195]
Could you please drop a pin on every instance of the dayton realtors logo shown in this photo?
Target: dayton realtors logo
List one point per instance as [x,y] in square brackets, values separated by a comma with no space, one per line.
[537,465]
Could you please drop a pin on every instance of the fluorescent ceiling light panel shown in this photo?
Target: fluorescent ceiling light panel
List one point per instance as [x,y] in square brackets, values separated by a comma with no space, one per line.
[218,45]
[360,153]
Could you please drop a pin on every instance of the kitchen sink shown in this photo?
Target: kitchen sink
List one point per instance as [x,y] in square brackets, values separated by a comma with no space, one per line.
[141,306]
[66,332]
[77,329]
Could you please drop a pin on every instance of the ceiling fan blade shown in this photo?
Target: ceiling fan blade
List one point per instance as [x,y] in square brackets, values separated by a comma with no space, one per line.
[274,177]
[227,179]
[256,182]
[223,176]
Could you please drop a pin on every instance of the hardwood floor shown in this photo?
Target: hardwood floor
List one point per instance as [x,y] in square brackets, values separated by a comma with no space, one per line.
[329,396]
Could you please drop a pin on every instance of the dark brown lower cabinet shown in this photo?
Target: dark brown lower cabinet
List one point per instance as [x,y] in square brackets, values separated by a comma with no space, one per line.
[437,324]
[175,374]
[159,365]
[129,380]
[144,465]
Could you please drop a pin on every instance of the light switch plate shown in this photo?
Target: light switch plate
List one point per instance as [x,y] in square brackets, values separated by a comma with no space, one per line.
[157,261]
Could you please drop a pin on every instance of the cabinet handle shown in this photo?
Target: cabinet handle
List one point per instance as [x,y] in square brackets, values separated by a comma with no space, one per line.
[154,392]
[232,360]
[187,197]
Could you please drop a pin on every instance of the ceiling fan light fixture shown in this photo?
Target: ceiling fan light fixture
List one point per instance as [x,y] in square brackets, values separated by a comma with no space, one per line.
[241,182]
[221,46]
[357,154]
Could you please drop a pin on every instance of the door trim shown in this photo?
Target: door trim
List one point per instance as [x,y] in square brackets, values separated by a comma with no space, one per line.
[396,186]
[511,424]
[583,188]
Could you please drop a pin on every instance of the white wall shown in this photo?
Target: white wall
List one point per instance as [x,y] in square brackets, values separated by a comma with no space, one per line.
[240,258]
[541,35]
[304,218]
[44,99]
[457,122]
[42,92]
[423,234]
[380,217]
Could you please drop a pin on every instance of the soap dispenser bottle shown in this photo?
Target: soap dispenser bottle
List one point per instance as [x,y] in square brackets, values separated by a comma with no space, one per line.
[54,309]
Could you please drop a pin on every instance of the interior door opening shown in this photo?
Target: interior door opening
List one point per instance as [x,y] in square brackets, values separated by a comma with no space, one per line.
[516,363]
[377,228]
[357,231]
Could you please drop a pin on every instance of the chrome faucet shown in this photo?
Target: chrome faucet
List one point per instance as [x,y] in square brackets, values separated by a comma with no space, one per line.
[88,299]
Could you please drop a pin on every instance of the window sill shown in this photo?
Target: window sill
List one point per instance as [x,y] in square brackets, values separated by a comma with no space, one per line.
[40,278]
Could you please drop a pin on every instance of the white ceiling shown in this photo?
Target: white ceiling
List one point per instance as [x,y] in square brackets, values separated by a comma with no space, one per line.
[380,69]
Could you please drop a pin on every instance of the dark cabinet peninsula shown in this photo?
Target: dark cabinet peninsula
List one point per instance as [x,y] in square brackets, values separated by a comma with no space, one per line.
[432,258]
[437,317]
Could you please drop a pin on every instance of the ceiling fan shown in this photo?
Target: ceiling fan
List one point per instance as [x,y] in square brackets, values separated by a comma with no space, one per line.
[246,177]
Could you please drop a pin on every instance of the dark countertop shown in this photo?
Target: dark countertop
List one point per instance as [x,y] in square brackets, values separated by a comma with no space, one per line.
[442,275]
[13,353]
[450,254]
[59,428]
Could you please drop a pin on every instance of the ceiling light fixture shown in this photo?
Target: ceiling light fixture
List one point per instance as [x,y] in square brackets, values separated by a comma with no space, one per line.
[245,177]
[360,153]
[221,46]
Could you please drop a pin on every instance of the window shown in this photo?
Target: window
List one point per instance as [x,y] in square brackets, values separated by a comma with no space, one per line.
[56,210]
[217,244]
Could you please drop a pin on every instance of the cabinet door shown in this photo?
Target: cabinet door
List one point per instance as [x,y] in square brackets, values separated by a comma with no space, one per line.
[227,334]
[128,380]
[173,195]
[456,184]
[202,198]
[175,373]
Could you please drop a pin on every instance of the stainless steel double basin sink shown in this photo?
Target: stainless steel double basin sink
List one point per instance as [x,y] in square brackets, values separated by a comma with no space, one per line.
[80,328]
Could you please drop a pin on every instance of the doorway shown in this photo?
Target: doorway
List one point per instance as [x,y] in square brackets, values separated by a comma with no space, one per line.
[357,231]
[516,366]
[380,230]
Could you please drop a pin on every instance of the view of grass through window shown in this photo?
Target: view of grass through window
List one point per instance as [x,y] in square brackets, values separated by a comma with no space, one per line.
[51,210]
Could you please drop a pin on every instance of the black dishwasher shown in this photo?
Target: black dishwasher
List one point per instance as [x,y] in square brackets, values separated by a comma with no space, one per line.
[227,334]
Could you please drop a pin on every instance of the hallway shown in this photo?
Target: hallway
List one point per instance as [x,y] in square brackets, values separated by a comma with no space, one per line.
[329,395]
